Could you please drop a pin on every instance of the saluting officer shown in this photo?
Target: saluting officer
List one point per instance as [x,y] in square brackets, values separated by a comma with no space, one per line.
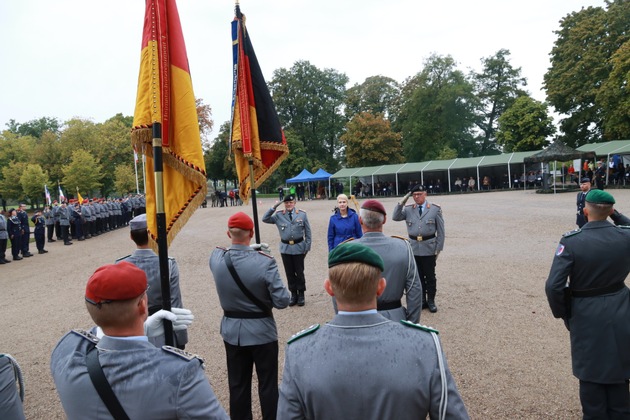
[362,365]
[147,260]
[64,222]
[148,382]
[249,286]
[400,271]
[425,227]
[586,289]
[295,242]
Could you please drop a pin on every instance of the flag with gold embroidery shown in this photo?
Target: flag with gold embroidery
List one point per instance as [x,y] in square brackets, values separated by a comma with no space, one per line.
[256,131]
[165,95]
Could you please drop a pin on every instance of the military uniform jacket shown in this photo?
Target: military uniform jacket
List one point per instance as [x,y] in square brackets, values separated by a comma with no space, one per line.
[596,256]
[580,219]
[10,403]
[14,227]
[39,222]
[365,366]
[291,230]
[24,220]
[150,382]
[4,231]
[259,273]
[401,274]
[430,223]
[87,212]
[149,262]
[64,216]
[48,216]
[55,211]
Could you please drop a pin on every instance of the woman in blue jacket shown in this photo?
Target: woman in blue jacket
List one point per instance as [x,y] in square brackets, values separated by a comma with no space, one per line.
[344,224]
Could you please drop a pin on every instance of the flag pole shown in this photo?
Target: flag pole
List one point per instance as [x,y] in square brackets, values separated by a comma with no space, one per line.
[160,217]
[135,167]
[254,203]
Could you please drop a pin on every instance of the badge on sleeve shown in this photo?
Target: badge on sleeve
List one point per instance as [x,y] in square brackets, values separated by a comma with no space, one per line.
[560,249]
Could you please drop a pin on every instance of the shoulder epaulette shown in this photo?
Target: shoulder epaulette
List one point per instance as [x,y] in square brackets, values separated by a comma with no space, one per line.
[171,258]
[418,326]
[87,335]
[123,258]
[265,254]
[220,247]
[303,333]
[347,240]
[401,237]
[181,353]
[624,226]
[572,232]
[436,204]
[299,210]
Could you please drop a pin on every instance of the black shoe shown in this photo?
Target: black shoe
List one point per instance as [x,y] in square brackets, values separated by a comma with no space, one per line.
[2,262]
[18,258]
[28,254]
[81,239]
[432,306]
[52,240]
[6,261]
[40,252]
[300,299]
[44,251]
[294,299]
[424,304]
[67,243]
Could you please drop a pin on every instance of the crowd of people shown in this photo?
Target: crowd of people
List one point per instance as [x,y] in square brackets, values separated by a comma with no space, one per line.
[65,221]
[379,335]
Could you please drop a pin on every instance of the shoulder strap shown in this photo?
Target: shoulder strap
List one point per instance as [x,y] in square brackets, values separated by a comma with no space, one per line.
[103,387]
[245,290]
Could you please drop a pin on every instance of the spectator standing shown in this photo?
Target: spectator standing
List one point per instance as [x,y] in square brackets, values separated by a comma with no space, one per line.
[343,224]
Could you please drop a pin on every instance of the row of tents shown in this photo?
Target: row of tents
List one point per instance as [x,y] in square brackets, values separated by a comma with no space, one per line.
[501,168]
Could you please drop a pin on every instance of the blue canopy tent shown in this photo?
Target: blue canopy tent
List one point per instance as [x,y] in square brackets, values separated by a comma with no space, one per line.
[320,175]
[303,176]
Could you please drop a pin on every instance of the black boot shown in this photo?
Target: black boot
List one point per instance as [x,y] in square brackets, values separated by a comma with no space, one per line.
[294,299]
[300,299]
[431,303]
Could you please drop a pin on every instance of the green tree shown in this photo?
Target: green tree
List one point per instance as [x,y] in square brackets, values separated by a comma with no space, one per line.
[124,179]
[32,181]
[47,153]
[581,64]
[370,141]
[35,128]
[219,163]
[437,111]
[83,172]
[80,134]
[525,126]
[614,95]
[113,149]
[10,184]
[497,87]
[204,115]
[309,101]
[375,95]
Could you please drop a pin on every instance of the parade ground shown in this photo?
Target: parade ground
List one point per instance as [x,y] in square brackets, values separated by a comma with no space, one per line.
[509,356]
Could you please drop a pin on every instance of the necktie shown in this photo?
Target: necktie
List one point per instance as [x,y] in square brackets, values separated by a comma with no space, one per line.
[291,216]
[420,210]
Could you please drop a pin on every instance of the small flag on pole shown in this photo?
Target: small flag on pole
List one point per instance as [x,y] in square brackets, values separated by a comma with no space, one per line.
[79,196]
[256,131]
[135,155]
[62,197]
[48,198]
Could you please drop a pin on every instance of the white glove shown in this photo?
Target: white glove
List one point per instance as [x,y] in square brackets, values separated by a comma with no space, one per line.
[181,319]
[262,247]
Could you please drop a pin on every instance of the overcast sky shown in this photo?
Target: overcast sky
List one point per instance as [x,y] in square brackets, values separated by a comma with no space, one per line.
[80,58]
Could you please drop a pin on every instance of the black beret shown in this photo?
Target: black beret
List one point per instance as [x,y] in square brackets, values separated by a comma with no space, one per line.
[289,198]
[418,188]
[585,179]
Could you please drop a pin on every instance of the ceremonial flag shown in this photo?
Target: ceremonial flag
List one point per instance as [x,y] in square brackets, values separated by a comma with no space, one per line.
[135,155]
[48,198]
[79,196]
[61,196]
[165,96]
[256,131]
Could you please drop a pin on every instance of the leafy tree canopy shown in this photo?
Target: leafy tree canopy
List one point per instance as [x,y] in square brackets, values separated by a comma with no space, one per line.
[525,126]
[370,141]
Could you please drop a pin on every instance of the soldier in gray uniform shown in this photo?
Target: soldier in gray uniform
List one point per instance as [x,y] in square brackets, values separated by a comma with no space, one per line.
[86,211]
[400,266]
[586,289]
[248,327]
[64,222]
[585,187]
[11,389]
[4,238]
[55,211]
[425,227]
[144,258]
[295,242]
[149,382]
[50,223]
[362,365]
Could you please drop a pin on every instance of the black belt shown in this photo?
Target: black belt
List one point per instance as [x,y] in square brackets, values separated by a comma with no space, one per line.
[599,291]
[247,315]
[386,306]
[422,238]
[293,241]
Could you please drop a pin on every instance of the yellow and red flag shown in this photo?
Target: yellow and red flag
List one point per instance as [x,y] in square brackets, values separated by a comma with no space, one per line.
[165,95]
[256,131]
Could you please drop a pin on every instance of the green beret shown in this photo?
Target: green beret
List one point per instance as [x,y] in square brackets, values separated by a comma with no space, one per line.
[354,252]
[599,197]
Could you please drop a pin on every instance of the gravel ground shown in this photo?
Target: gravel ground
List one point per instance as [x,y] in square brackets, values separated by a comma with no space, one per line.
[509,356]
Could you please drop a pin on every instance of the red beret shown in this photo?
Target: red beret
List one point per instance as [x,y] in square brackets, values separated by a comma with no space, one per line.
[241,221]
[374,205]
[120,281]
